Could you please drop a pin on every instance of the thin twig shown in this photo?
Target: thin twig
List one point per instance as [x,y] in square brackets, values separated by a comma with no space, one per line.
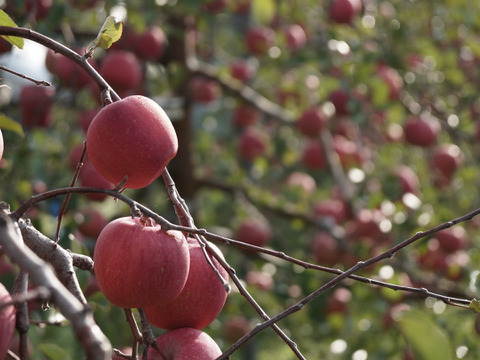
[26,77]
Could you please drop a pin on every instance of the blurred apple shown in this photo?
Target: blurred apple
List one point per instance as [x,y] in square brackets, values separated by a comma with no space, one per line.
[242,70]
[445,160]
[5,46]
[254,231]
[90,221]
[312,122]
[204,90]
[68,72]
[235,327]
[259,40]
[259,279]
[409,181]
[148,45]
[421,131]
[326,249]
[38,7]
[295,37]
[452,239]
[215,6]
[123,71]
[85,117]
[245,115]
[252,143]
[339,301]
[340,98]
[392,78]
[302,180]
[36,105]
[335,209]
[313,156]
[344,11]
[90,177]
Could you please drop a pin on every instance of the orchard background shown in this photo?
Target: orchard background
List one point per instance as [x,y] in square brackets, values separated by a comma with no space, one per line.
[392,152]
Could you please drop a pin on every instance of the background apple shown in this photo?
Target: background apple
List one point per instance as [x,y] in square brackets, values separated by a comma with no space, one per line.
[313,156]
[36,105]
[252,143]
[137,264]
[302,180]
[325,249]
[312,122]
[245,115]
[122,70]
[235,327]
[149,44]
[242,70]
[254,231]
[259,40]
[204,90]
[89,176]
[340,99]
[131,137]
[7,321]
[392,78]
[85,117]
[90,221]
[69,73]
[421,131]
[201,299]
[344,11]
[185,343]
[295,36]
[445,160]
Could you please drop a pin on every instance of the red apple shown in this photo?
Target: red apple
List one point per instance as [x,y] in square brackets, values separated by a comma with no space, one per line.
[204,90]
[325,249]
[85,117]
[137,264]
[38,7]
[393,80]
[7,321]
[122,70]
[259,40]
[433,258]
[68,72]
[366,224]
[302,180]
[242,70]
[340,98]
[254,231]
[421,131]
[446,159]
[245,115]
[235,327]
[184,343]
[409,181]
[90,222]
[90,177]
[394,313]
[452,239]
[312,122]
[339,301]
[5,46]
[259,279]
[349,153]
[334,209]
[313,156]
[215,6]
[131,137]
[36,105]
[201,299]
[74,156]
[148,45]
[295,36]
[344,11]
[252,143]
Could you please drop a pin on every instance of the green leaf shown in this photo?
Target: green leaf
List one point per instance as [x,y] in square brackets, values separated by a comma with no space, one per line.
[263,11]
[6,20]
[424,337]
[110,32]
[54,352]
[7,123]
[475,305]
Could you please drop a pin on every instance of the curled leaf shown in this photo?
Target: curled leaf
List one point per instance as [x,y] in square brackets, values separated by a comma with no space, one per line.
[110,32]
[7,123]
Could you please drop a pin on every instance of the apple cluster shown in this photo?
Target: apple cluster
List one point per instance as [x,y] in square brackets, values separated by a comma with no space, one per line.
[139,265]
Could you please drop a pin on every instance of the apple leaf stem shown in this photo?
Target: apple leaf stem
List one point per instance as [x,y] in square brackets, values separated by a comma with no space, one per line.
[92,339]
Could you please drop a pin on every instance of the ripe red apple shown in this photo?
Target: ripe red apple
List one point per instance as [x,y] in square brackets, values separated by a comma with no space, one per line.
[392,78]
[295,36]
[122,70]
[90,222]
[90,177]
[245,115]
[260,279]
[85,117]
[433,258]
[184,343]
[446,159]
[313,156]
[215,6]
[421,131]
[204,90]
[334,209]
[39,7]
[131,137]
[409,181]
[452,239]
[252,143]
[326,249]
[201,299]
[5,46]
[344,11]
[242,70]
[254,231]
[36,105]
[259,40]
[7,321]
[340,98]
[148,45]
[68,72]
[312,122]
[349,153]
[137,264]
[304,181]
[235,327]
[339,301]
